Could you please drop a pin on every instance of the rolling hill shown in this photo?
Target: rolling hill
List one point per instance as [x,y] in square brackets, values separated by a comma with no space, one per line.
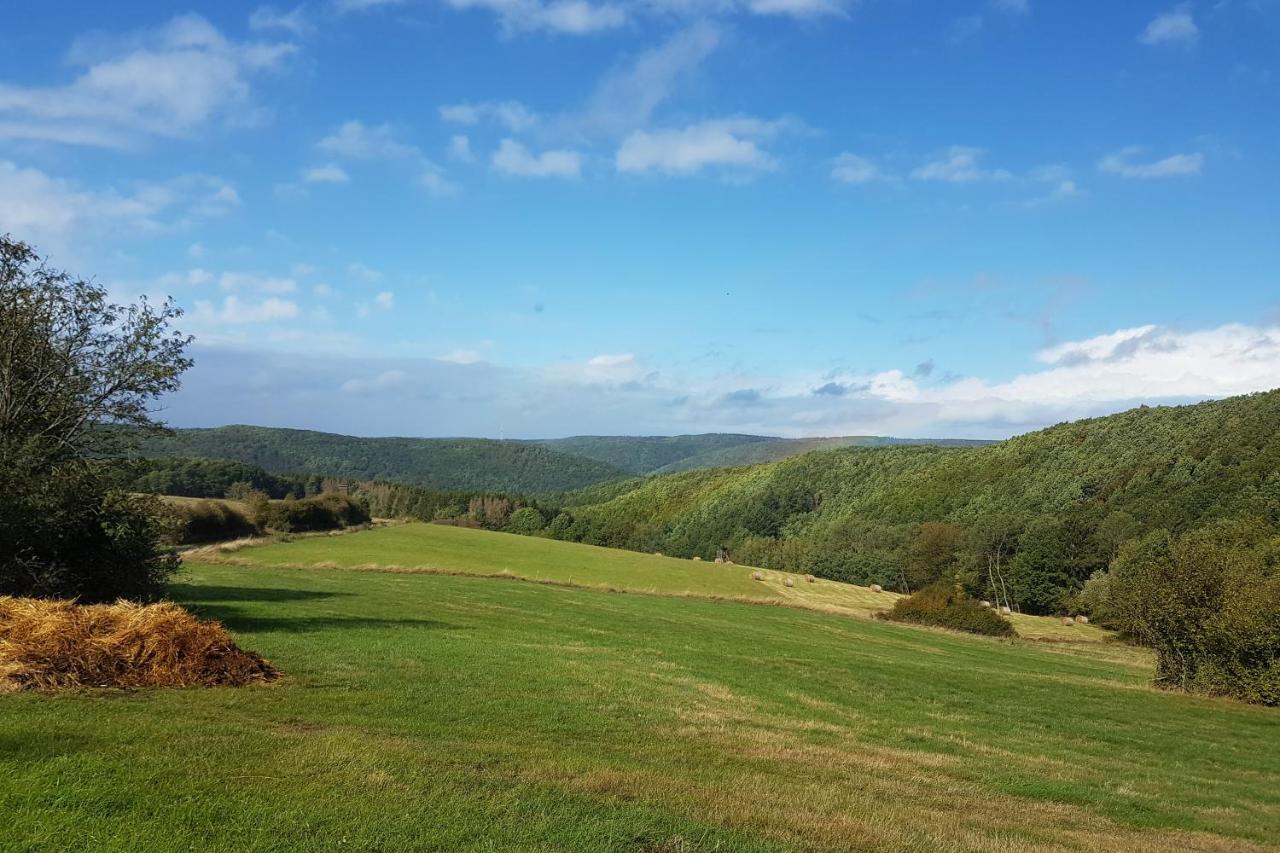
[476,464]
[464,464]
[1052,506]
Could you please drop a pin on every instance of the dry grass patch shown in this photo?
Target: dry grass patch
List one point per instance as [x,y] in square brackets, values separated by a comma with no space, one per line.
[56,644]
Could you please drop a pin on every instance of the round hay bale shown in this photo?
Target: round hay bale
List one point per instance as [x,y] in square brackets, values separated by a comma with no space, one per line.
[657,553]
[1083,620]
[810,579]
[788,582]
[875,587]
[1005,610]
[1067,620]
[757,576]
[697,559]
[986,603]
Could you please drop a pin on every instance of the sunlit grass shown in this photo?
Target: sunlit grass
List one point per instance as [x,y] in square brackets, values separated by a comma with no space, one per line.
[461,713]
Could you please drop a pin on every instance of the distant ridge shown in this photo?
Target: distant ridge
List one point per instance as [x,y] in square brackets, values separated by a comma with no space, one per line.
[478,464]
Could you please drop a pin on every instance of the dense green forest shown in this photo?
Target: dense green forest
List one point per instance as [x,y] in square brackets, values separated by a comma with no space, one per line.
[466,464]
[646,454]
[1027,521]
[774,449]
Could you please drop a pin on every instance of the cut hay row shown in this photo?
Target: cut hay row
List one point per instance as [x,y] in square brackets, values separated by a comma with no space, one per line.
[59,644]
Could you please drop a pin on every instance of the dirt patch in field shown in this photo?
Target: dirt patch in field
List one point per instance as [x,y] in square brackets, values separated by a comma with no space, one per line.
[59,644]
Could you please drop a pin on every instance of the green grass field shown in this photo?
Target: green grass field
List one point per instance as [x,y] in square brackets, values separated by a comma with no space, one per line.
[433,547]
[439,712]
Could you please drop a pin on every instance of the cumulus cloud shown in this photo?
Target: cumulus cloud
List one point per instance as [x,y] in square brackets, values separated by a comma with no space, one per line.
[235,310]
[361,272]
[330,173]
[1175,27]
[616,393]
[358,141]
[512,115]
[170,82]
[849,168]
[52,212]
[573,17]
[512,158]
[730,143]
[960,165]
[1122,163]
[269,18]
[460,149]
[354,140]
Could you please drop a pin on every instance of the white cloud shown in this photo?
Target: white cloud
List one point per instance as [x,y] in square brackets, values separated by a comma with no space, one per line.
[268,18]
[462,356]
[573,17]
[381,382]
[256,282]
[512,115]
[1176,27]
[385,300]
[626,98]
[51,212]
[362,5]
[330,173]
[849,168]
[797,8]
[959,166]
[322,290]
[512,158]
[235,310]
[195,250]
[357,141]
[460,149]
[1122,163]
[363,273]
[170,83]
[730,143]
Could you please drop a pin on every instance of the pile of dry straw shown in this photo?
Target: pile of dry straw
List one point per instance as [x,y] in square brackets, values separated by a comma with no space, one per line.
[52,644]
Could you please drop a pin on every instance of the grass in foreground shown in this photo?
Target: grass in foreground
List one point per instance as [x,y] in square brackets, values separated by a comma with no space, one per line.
[458,713]
[455,549]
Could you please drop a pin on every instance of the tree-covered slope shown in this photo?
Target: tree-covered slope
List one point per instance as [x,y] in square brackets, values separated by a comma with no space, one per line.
[774,449]
[466,464]
[645,454]
[1051,507]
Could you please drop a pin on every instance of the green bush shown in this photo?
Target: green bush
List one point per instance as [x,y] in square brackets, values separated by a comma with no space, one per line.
[526,521]
[947,606]
[1208,604]
[329,511]
[209,521]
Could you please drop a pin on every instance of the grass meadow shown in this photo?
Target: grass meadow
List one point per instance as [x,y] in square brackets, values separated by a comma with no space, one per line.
[451,712]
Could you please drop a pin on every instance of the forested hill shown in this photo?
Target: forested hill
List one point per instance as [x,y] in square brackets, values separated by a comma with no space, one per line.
[646,454]
[774,449]
[643,455]
[463,464]
[1052,506]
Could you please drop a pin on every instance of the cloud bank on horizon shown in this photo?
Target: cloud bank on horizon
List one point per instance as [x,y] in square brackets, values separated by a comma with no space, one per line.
[546,217]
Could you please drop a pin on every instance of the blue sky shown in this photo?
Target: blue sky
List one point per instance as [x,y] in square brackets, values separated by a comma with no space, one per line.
[548,217]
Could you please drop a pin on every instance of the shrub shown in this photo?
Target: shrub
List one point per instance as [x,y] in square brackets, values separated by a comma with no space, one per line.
[51,644]
[63,536]
[947,606]
[209,521]
[329,511]
[526,521]
[1208,604]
